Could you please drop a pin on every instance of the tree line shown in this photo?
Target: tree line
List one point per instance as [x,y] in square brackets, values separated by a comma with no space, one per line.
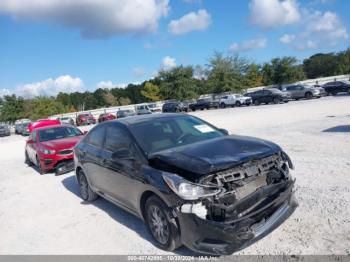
[222,73]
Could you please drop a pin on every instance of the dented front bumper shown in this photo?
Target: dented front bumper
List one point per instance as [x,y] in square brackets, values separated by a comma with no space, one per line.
[224,238]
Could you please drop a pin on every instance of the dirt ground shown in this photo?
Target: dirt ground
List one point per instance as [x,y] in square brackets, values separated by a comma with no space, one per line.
[45,215]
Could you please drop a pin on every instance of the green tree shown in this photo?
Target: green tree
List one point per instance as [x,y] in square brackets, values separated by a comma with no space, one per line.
[226,73]
[321,65]
[254,76]
[343,67]
[12,108]
[44,107]
[177,83]
[282,71]
[151,92]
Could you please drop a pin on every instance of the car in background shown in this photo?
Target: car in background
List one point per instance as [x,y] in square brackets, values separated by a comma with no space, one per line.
[302,91]
[51,148]
[25,129]
[335,87]
[142,110]
[5,130]
[66,120]
[234,100]
[174,106]
[43,123]
[204,103]
[19,125]
[155,107]
[85,119]
[320,89]
[189,181]
[106,117]
[125,113]
[271,95]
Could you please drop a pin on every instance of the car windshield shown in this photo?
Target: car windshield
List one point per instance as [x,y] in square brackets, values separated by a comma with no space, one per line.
[152,105]
[58,133]
[159,134]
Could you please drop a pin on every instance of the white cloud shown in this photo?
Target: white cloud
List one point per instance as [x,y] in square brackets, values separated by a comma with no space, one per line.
[138,72]
[109,84]
[317,30]
[190,22]
[168,63]
[286,38]
[93,18]
[248,45]
[51,87]
[5,92]
[274,13]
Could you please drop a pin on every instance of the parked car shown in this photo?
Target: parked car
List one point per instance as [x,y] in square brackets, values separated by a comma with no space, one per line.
[125,113]
[25,129]
[85,119]
[320,89]
[142,110]
[301,91]
[106,117]
[5,130]
[335,87]
[271,95]
[234,100]
[42,123]
[66,120]
[51,148]
[204,103]
[174,106]
[191,182]
[19,125]
[155,107]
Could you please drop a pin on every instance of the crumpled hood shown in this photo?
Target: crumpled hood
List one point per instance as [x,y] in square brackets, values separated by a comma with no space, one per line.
[213,155]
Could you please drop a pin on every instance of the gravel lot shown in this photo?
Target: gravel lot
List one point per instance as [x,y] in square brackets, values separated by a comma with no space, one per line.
[44,214]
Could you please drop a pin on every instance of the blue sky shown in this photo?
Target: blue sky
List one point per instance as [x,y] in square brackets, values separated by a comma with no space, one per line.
[48,46]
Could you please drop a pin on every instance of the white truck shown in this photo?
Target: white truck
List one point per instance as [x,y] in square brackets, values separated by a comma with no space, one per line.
[234,100]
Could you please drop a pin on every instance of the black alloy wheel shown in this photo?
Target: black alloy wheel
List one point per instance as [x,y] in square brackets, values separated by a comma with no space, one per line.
[164,232]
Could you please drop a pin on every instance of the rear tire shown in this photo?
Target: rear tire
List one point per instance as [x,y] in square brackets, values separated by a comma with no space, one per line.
[308,95]
[27,159]
[85,190]
[163,229]
[223,105]
[276,100]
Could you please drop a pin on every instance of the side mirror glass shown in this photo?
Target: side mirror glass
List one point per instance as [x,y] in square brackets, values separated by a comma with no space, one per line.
[85,132]
[123,154]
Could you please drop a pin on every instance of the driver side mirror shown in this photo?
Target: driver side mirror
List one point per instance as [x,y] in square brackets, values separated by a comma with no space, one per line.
[30,141]
[85,132]
[224,131]
[123,154]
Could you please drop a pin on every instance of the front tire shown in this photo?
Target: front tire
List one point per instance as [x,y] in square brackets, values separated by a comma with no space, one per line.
[40,168]
[257,102]
[85,190]
[276,100]
[164,231]
[27,159]
[238,104]
[308,95]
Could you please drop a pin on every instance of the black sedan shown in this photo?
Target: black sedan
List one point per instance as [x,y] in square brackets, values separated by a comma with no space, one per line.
[204,103]
[192,183]
[174,107]
[271,95]
[335,87]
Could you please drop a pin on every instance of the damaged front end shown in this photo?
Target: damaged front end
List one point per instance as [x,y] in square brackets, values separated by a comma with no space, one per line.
[228,210]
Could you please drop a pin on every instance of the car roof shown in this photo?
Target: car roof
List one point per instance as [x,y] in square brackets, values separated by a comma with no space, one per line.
[144,118]
[52,126]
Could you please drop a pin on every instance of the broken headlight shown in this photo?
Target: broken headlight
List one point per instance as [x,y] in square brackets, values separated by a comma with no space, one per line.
[188,190]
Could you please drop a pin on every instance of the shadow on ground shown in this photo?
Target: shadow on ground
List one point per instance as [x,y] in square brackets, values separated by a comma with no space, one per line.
[120,215]
[338,129]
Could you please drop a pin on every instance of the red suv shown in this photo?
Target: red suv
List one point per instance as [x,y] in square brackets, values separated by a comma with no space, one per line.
[51,148]
[106,117]
[85,119]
